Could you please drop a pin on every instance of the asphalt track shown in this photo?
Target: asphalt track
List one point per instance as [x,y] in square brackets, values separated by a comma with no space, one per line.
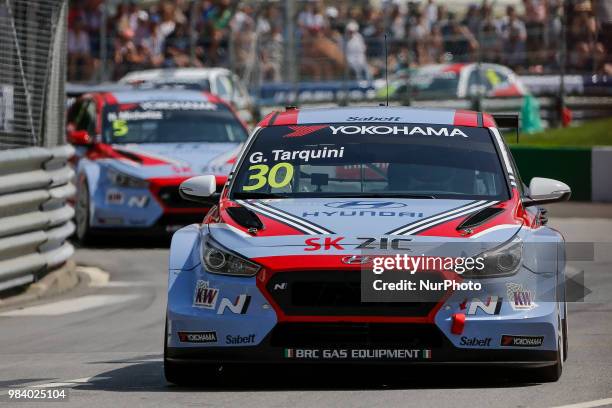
[104,345]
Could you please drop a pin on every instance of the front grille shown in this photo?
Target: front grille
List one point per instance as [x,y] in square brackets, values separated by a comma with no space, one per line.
[337,293]
[355,335]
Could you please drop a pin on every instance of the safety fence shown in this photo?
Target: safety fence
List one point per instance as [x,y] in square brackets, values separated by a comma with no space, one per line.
[35,217]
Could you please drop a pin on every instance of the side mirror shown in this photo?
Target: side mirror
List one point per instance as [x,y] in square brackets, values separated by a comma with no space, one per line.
[199,189]
[79,138]
[545,190]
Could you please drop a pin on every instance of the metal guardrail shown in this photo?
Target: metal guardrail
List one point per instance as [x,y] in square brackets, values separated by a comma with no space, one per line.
[35,217]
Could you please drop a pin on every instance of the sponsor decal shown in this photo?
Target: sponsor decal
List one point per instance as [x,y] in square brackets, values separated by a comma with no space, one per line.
[299,131]
[396,130]
[178,105]
[326,244]
[395,244]
[205,297]
[356,260]
[373,119]
[114,197]
[519,297]
[119,119]
[365,205]
[357,354]
[491,306]
[314,244]
[198,337]
[305,155]
[239,306]
[138,201]
[238,339]
[363,213]
[475,342]
[521,341]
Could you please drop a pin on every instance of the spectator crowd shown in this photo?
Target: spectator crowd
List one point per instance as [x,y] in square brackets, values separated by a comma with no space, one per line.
[330,40]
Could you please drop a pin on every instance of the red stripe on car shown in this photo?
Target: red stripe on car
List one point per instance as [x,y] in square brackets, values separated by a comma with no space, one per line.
[465,118]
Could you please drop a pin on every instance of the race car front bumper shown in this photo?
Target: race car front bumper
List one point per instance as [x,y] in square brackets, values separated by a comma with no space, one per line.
[251,332]
[425,344]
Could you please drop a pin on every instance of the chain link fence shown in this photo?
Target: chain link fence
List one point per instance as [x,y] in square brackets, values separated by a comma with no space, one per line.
[32,72]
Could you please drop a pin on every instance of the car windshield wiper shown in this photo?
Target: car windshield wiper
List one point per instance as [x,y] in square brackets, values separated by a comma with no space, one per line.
[255,194]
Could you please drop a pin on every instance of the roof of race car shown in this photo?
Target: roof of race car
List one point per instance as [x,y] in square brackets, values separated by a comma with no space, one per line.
[187,74]
[147,95]
[378,114]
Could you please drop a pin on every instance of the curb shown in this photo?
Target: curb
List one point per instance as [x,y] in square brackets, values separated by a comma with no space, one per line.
[56,282]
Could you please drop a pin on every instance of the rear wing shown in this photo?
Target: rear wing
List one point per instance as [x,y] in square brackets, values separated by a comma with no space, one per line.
[508,121]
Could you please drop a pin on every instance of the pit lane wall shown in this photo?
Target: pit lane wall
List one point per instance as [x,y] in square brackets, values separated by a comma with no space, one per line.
[35,216]
[588,171]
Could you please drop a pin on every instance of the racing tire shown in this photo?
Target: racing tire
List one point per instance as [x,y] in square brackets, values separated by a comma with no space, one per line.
[185,374]
[550,373]
[82,205]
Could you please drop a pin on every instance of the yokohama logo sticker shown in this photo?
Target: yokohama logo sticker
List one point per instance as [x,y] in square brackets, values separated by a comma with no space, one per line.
[521,341]
[396,130]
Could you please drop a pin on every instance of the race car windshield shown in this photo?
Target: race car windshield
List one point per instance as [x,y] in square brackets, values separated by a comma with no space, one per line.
[366,160]
[169,122]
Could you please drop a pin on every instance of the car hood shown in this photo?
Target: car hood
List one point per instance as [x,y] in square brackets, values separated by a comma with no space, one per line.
[172,159]
[290,223]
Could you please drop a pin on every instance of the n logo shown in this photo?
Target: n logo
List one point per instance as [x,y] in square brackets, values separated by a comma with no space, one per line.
[491,307]
[139,202]
[240,306]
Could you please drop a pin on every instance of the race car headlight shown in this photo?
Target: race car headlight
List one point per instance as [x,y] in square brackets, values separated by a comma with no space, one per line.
[219,260]
[123,180]
[504,260]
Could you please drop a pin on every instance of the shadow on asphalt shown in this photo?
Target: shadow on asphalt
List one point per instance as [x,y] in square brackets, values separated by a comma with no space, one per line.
[148,376]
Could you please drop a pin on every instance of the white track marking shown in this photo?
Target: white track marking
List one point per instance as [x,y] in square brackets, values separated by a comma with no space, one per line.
[70,305]
[588,404]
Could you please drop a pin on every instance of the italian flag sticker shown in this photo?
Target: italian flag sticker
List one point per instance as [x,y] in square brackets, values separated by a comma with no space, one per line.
[289,353]
[426,353]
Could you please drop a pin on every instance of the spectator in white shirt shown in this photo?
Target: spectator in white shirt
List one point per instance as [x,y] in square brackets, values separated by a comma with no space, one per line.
[356,52]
